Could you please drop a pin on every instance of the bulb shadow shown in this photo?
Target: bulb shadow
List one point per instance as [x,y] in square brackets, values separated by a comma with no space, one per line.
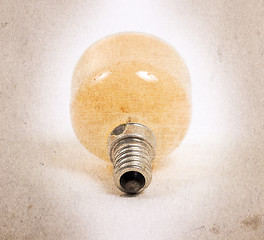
[72,156]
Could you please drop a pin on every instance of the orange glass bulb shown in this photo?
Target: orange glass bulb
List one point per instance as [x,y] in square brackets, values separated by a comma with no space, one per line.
[126,79]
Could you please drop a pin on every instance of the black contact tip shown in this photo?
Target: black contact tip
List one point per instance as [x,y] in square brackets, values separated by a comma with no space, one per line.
[132,182]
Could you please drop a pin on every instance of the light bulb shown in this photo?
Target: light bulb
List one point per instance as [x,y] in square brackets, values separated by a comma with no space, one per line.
[130,104]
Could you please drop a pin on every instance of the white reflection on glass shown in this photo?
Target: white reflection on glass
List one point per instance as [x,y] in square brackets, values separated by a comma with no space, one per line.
[147,76]
[102,76]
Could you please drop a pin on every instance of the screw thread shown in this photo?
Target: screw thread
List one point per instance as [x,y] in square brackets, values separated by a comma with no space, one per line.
[132,152]
[132,157]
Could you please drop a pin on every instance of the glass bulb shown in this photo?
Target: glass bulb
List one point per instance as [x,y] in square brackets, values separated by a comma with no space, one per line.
[131,104]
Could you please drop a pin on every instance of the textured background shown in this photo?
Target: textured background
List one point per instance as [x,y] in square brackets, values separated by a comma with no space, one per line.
[211,187]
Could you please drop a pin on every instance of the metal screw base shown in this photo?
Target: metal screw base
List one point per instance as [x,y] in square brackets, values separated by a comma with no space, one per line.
[132,150]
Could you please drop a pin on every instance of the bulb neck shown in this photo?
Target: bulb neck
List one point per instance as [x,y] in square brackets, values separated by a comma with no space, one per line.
[132,151]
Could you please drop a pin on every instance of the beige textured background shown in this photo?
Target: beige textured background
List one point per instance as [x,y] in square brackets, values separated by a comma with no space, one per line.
[209,188]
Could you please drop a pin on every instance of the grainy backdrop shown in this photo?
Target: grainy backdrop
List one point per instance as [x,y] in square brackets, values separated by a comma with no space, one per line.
[211,187]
